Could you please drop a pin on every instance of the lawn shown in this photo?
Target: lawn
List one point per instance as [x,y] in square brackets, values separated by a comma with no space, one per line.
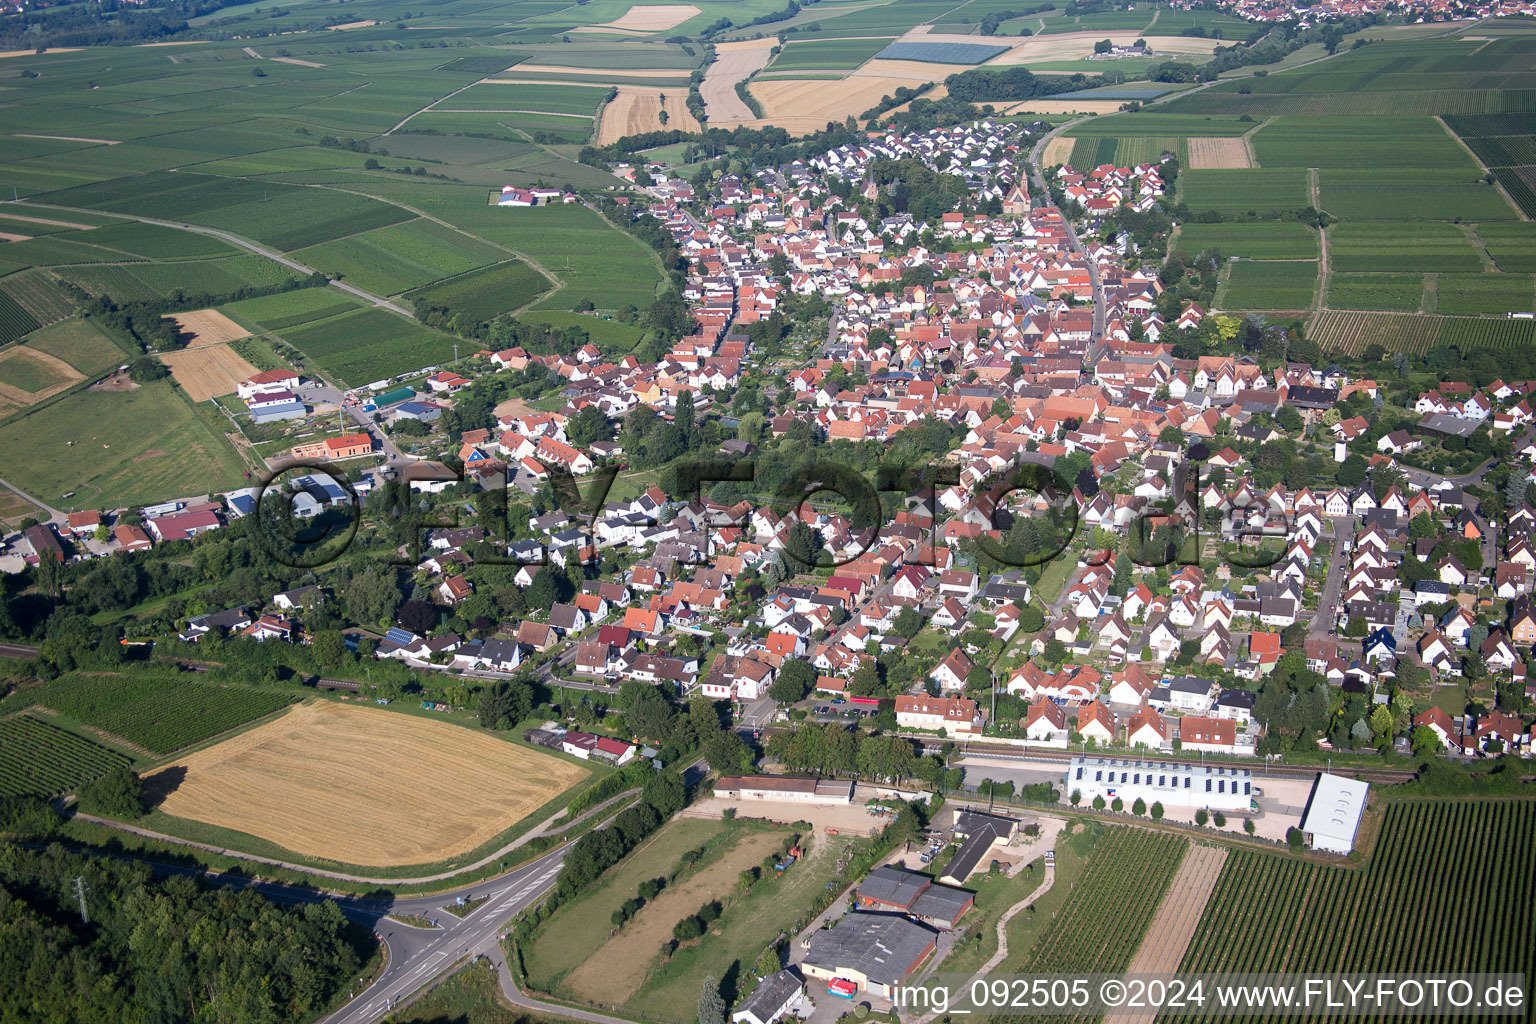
[370,345]
[118,448]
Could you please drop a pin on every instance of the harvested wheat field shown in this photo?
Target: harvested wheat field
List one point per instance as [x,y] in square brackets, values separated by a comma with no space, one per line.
[734,62]
[1065,107]
[656,18]
[1079,45]
[637,108]
[616,969]
[208,371]
[1057,151]
[207,327]
[1217,154]
[804,105]
[366,786]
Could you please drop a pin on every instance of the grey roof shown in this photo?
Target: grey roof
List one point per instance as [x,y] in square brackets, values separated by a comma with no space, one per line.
[894,886]
[882,947]
[770,996]
[941,903]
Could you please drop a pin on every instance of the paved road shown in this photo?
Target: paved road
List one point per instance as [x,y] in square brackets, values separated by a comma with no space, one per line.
[1338,566]
[1099,305]
[418,955]
[235,240]
[54,514]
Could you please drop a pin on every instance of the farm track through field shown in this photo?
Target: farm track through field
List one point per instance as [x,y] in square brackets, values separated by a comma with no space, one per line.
[235,240]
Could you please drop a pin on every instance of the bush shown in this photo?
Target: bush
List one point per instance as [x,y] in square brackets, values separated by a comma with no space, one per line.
[117,794]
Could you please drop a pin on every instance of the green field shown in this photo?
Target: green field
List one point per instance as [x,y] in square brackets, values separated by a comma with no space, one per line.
[38,759]
[118,448]
[1258,240]
[1411,194]
[1350,334]
[1365,143]
[486,293]
[38,294]
[80,344]
[831,54]
[1262,915]
[554,98]
[395,259]
[1392,292]
[1287,284]
[1395,246]
[560,956]
[160,714]
[289,309]
[370,345]
[1111,905]
[1512,246]
[15,321]
[1258,190]
[1486,293]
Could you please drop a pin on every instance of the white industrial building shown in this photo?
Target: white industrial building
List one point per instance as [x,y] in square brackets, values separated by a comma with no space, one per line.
[1333,813]
[1219,788]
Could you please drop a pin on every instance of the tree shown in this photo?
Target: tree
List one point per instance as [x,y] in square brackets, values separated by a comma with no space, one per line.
[505,703]
[372,595]
[542,592]
[117,794]
[711,1003]
[1157,811]
[795,679]
[907,623]
[589,425]
[1351,472]
[1425,741]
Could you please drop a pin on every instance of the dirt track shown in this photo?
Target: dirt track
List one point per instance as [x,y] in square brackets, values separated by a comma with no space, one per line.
[734,63]
[1167,937]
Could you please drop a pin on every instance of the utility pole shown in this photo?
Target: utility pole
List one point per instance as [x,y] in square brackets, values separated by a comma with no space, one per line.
[80,890]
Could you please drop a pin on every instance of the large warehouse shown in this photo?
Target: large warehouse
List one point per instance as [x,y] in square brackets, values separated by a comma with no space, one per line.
[1219,788]
[872,951]
[1333,813]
